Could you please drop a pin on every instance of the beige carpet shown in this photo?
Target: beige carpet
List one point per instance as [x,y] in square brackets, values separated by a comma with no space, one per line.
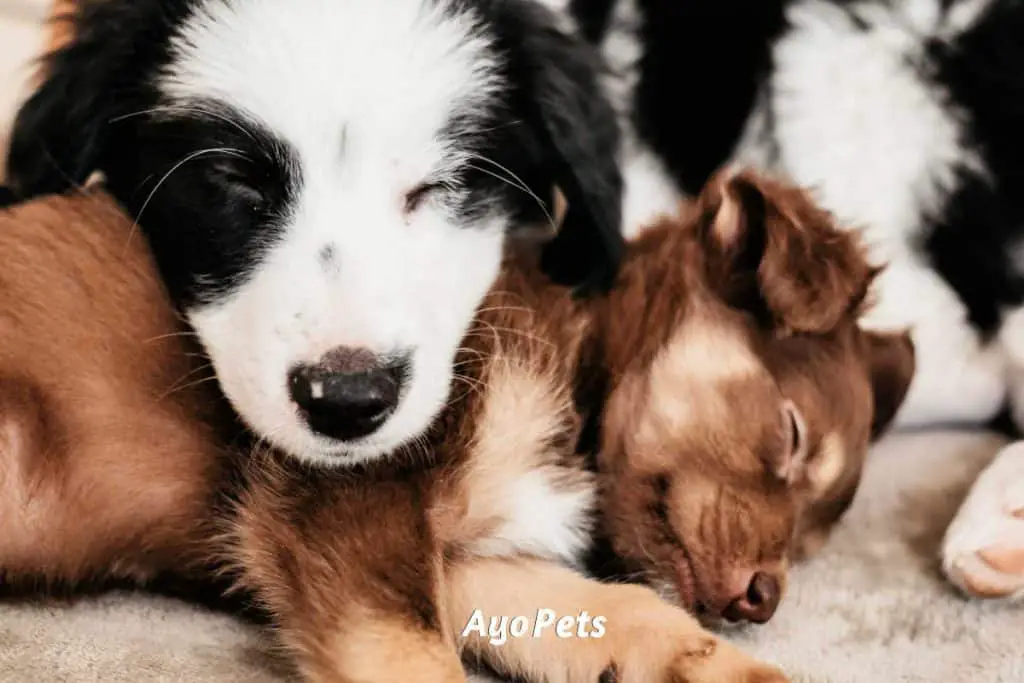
[871,609]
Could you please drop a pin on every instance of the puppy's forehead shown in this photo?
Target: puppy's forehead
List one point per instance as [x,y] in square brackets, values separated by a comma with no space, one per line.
[706,350]
[389,73]
[686,379]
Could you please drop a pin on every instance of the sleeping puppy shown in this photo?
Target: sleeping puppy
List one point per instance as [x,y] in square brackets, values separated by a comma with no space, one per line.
[711,537]
[111,466]
[308,190]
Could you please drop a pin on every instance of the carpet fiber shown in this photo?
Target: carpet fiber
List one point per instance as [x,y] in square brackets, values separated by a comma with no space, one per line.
[870,609]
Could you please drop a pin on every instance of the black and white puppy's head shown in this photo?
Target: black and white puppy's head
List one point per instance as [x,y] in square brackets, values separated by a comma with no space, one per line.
[327,185]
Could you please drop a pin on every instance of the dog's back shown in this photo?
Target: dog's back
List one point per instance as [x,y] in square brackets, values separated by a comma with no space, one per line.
[106,463]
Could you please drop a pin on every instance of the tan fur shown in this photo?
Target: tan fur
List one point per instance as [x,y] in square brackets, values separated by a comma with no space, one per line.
[413,655]
[59,25]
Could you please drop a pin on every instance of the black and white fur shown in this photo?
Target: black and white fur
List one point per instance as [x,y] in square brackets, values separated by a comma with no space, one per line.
[324,174]
[907,116]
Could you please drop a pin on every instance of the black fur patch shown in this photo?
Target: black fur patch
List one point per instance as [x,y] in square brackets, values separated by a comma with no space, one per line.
[7,197]
[703,66]
[975,237]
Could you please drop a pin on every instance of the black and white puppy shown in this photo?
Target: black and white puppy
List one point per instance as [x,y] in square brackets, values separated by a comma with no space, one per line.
[907,116]
[328,185]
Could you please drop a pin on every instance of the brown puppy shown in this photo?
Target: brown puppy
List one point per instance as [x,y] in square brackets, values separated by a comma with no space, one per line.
[779,378]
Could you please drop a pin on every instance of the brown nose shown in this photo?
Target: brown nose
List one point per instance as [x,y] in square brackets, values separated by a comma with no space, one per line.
[758,603]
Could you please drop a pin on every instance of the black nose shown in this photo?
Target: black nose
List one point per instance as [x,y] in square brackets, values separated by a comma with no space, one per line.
[349,393]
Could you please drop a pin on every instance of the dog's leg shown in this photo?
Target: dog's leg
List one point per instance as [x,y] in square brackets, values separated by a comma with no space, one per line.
[958,379]
[983,552]
[349,574]
[644,639]
[367,646]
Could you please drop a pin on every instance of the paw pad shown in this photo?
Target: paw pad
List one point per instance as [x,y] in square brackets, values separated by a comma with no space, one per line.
[983,553]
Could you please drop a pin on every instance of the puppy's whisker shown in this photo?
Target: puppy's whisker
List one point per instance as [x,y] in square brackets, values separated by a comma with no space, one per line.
[472,386]
[519,183]
[498,331]
[188,385]
[522,309]
[186,109]
[171,335]
[230,151]
[522,188]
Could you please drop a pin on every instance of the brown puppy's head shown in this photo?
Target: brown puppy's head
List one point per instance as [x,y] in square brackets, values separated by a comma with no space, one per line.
[742,394]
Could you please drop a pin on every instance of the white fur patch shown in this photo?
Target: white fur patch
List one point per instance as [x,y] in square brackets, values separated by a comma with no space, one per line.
[684,377]
[856,120]
[957,378]
[649,192]
[542,509]
[360,90]
[543,518]
[990,519]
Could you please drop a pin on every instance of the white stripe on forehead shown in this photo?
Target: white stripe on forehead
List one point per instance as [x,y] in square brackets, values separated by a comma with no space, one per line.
[706,351]
[686,378]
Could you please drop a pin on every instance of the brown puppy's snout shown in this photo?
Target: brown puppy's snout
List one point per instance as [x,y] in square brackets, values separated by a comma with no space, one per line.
[349,392]
[756,600]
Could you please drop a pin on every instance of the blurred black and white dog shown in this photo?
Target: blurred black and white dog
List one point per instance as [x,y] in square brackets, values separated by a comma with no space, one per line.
[327,185]
[907,116]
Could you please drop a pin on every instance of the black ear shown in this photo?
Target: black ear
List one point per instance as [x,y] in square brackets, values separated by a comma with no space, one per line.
[59,134]
[578,130]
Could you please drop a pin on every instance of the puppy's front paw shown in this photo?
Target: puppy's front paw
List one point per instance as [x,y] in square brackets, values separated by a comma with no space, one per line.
[983,552]
[722,663]
[704,659]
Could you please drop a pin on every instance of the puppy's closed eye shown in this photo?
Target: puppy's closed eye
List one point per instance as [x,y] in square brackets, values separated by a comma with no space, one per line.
[423,192]
[788,464]
[239,182]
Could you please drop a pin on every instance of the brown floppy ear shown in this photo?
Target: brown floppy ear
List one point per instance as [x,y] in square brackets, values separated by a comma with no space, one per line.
[891,362]
[773,251]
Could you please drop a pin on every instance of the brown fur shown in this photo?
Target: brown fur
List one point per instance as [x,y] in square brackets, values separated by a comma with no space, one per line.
[372,573]
[107,462]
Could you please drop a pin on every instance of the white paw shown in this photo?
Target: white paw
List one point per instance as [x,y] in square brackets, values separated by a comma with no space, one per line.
[983,552]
